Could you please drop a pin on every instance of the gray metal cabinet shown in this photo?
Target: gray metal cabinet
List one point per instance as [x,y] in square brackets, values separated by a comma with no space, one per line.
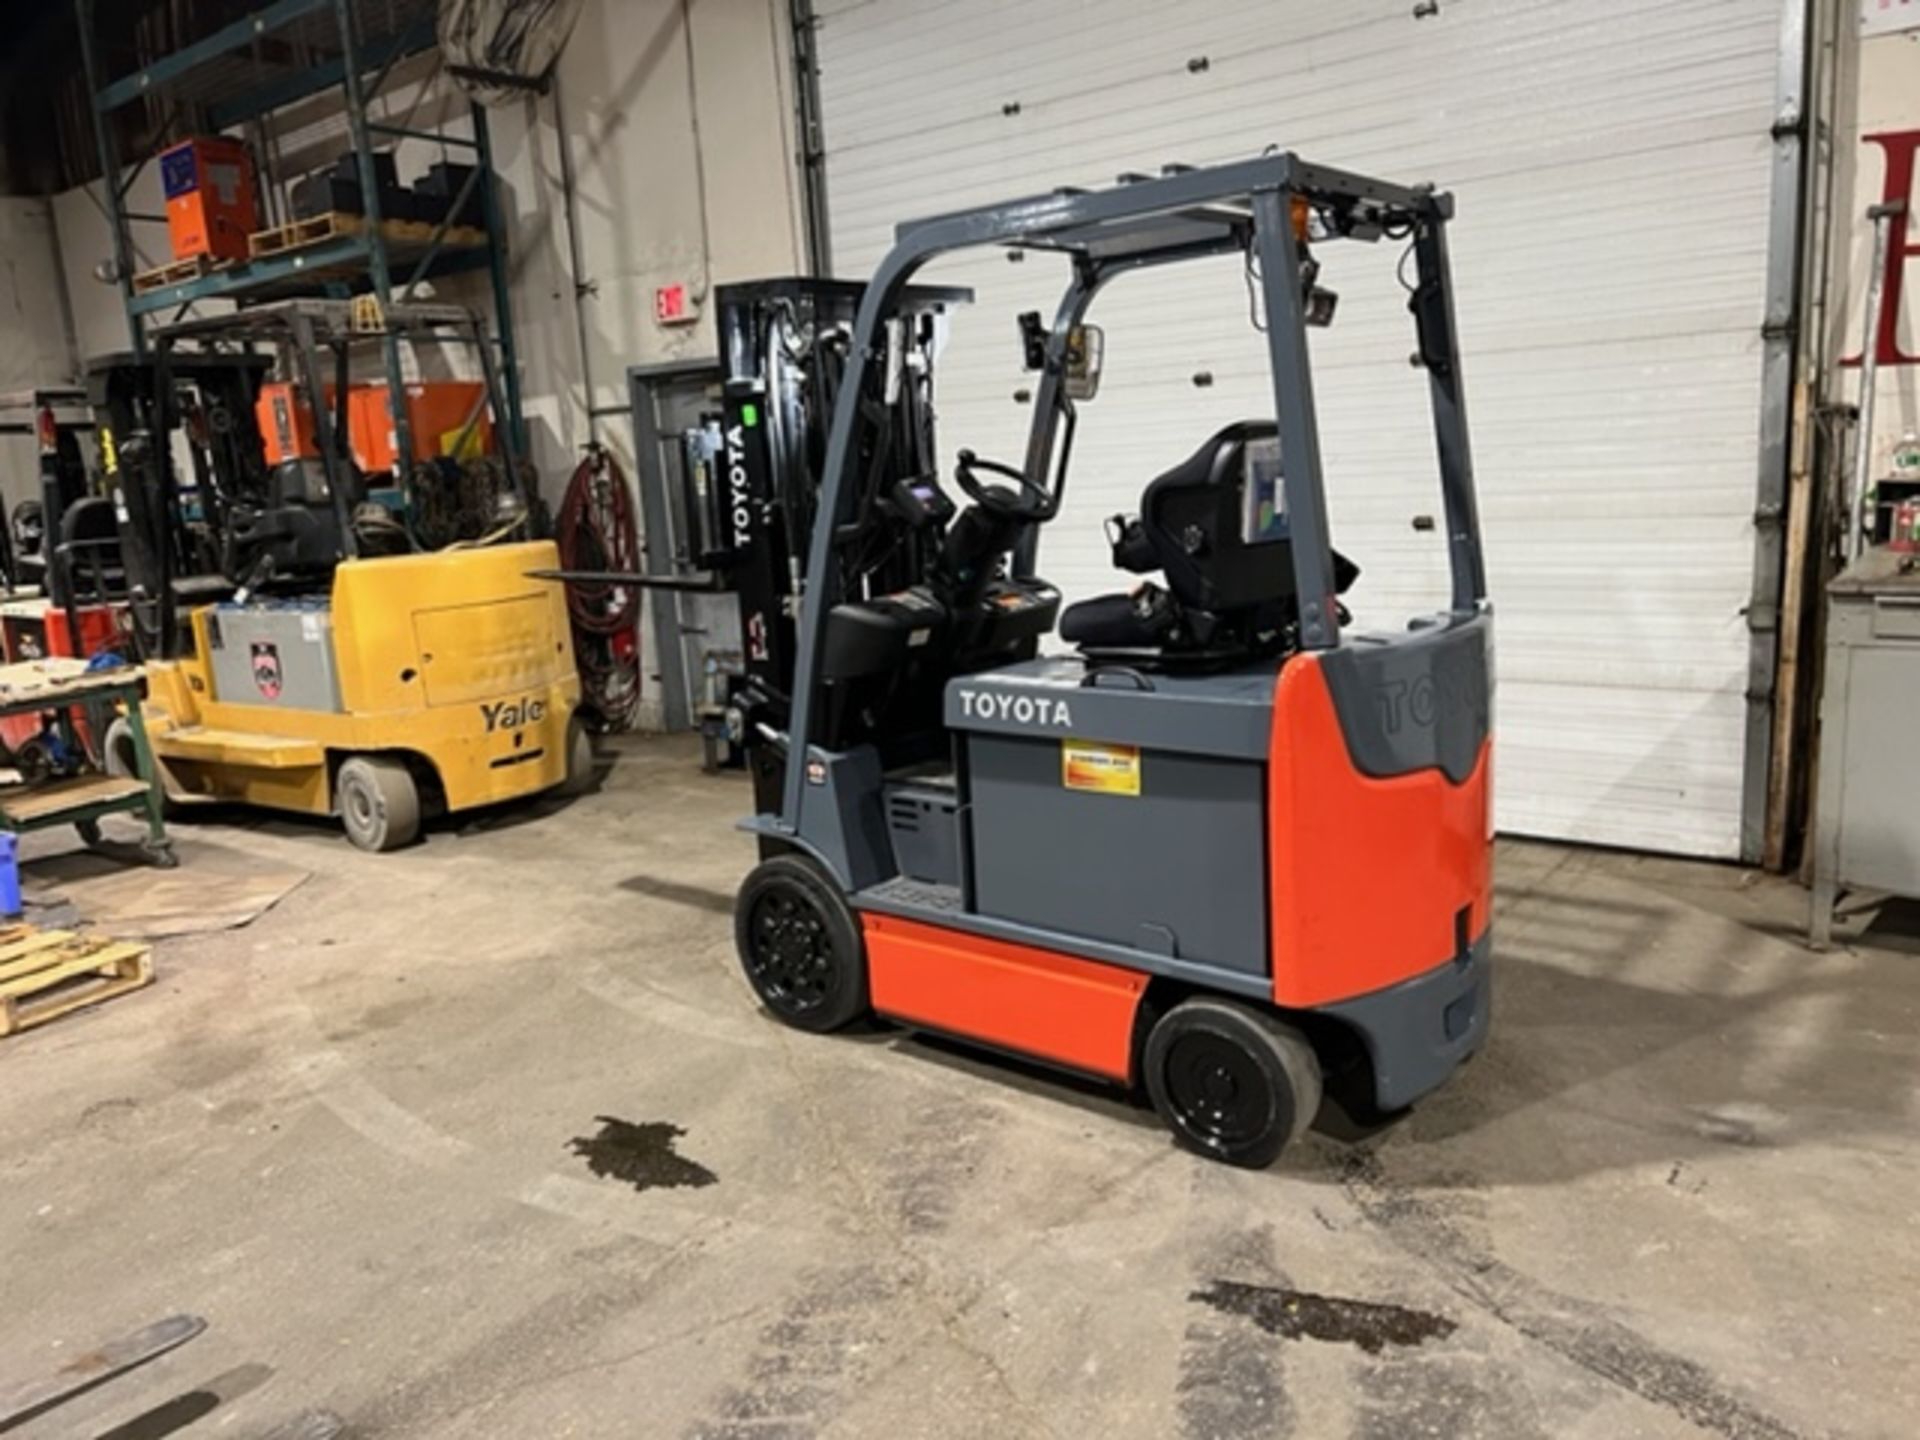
[1867,821]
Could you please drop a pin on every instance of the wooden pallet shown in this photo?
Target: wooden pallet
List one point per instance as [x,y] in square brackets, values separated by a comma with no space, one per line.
[191,268]
[318,229]
[298,234]
[24,804]
[45,974]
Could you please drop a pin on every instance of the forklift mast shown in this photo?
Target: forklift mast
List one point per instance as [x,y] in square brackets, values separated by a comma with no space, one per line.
[784,353]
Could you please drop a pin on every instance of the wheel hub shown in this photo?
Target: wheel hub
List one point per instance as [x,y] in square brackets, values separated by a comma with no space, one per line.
[1219,1095]
[792,951]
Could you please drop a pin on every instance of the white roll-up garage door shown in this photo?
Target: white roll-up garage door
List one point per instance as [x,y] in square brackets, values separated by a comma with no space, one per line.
[1611,169]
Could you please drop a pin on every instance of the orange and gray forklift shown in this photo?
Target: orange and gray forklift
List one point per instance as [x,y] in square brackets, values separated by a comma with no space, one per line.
[1232,849]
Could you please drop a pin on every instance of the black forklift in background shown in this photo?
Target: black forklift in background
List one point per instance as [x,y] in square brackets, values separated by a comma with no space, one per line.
[749,475]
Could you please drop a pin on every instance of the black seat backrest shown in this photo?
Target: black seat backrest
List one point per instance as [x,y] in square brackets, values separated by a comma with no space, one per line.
[1193,520]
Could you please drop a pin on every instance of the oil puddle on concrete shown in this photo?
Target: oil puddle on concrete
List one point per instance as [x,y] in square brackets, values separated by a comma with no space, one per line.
[1302,1315]
[640,1155]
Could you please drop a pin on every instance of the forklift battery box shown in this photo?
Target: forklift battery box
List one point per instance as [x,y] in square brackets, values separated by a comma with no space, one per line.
[1132,810]
[286,422]
[211,206]
[277,653]
[437,413]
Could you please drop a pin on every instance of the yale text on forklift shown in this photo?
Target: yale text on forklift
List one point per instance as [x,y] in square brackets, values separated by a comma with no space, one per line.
[512,714]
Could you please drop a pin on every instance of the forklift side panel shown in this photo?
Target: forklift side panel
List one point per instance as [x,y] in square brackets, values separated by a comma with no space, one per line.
[1072,1012]
[1172,861]
[1375,881]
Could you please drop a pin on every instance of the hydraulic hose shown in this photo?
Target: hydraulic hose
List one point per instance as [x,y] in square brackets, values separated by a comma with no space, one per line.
[595,530]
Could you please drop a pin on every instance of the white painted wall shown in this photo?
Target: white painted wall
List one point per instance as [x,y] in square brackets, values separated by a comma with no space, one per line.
[678,120]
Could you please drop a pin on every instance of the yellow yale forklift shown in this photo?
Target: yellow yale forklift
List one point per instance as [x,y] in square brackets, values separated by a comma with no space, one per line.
[323,639]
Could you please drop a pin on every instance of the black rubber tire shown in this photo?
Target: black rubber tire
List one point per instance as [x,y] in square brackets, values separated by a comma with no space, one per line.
[117,754]
[119,758]
[580,760]
[1233,1084]
[377,801]
[800,945]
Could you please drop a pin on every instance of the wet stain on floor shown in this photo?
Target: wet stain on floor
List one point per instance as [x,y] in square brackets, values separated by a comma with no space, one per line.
[640,1155]
[1302,1315]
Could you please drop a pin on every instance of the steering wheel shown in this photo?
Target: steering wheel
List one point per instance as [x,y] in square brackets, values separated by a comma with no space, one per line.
[1032,501]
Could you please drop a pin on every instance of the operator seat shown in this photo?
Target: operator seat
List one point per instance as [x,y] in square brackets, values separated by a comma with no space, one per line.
[1215,526]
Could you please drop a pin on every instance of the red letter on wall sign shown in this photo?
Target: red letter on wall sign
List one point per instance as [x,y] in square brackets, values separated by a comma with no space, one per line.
[1900,147]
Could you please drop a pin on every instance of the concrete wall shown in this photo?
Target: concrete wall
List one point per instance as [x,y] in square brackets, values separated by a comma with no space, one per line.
[1883,96]
[86,243]
[678,118]
[33,330]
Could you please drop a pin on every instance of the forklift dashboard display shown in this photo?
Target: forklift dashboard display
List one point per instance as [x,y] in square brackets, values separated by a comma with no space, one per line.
[1263,500]
[921,501]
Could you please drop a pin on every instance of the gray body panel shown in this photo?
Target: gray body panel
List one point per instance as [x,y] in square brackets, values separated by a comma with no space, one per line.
[1418,1032]
[1178,870]
[923,822]
[300,640]
[1867,823]
[1417,700]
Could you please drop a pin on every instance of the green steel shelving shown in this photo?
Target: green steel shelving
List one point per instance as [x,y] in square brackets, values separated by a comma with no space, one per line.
[222,80]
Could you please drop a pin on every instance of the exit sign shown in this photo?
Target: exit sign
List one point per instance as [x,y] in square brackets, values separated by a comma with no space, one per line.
[672,307]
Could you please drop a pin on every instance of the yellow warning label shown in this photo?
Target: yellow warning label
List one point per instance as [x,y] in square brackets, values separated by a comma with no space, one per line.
[109,456]
[1107,769]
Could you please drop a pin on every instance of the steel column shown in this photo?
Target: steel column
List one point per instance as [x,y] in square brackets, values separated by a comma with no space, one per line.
[1780,342]
[1306,491]
[376,243]
[497,271]
[1440,352]
[109,173]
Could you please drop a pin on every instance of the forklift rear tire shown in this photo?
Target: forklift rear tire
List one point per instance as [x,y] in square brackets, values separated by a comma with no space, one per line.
[800,945]
[379,803]
[580,761]
[1232,1083]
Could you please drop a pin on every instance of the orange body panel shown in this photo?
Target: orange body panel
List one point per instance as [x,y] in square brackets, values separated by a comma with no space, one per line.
[1367,874]
[211,208]
[437,410]
[286,422]
[1073,1012]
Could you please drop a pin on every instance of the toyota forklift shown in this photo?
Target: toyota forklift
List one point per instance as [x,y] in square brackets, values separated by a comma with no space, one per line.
[1230,849]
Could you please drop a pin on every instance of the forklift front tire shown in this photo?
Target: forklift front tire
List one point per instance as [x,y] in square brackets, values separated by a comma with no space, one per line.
[378,801]
[119,757]
[1232,1083]
[800,945]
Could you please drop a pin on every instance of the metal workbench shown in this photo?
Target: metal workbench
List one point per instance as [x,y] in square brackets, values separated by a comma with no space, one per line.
[1867,816]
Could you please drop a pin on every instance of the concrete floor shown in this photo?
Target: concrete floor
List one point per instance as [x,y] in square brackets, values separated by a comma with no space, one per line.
[1674,1197]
